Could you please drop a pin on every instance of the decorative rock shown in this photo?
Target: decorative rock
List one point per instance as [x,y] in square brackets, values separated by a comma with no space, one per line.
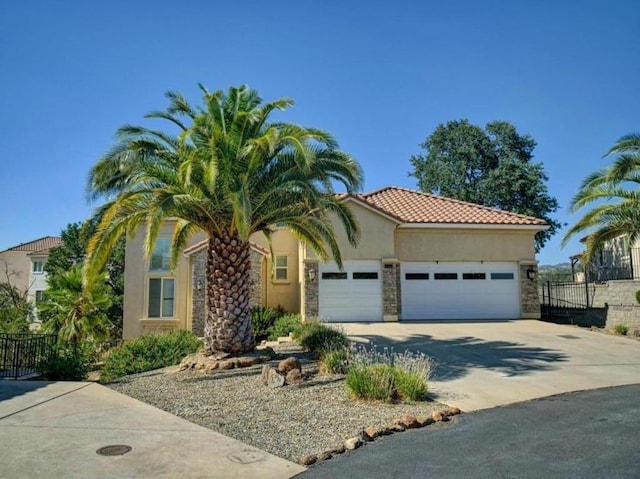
[409,422]
[246,361]
[289,364]
[397,428]
[437,416]
[228,364]
[325,456]
[352,443]
[275,379]
[373,432]
[308,460]
[212,366]
[294,377]
[424,421]
[338,449]
[454,411]
[264,377]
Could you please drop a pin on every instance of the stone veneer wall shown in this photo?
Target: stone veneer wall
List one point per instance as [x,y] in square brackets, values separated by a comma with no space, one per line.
[199,296]
[391,297]
[311,291]
[620,298]
[530,297]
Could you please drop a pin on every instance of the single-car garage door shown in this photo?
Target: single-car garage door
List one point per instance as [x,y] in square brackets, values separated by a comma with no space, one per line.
[353,294]
[460,290]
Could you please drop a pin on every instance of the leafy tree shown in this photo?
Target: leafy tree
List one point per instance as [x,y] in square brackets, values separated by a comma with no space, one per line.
[75,310]
[73,250]
[491,167]
[16,311]
[615,192]
[230,172]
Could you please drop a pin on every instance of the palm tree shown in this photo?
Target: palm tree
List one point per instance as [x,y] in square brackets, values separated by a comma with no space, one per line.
[76,309]
[229,172]
[615,190]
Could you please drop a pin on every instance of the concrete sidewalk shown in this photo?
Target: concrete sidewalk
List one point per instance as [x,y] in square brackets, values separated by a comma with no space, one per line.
[484,364]
[53,429]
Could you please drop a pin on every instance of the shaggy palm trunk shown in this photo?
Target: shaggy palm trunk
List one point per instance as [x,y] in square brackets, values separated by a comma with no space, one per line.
[227,326]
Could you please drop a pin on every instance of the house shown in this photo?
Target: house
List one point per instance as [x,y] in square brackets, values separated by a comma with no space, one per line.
[616,261]
[420,257]
[23,265]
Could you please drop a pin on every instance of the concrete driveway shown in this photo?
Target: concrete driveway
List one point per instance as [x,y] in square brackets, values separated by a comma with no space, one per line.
[492,363]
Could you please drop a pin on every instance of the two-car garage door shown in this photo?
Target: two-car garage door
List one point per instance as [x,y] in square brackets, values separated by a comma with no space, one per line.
[460,290]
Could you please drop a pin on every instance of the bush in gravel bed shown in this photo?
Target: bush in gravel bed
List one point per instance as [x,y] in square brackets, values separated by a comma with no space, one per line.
[284,325]
[387,376]
[149,352]
[621,329]
[335,361]
[262,320]
[319,337]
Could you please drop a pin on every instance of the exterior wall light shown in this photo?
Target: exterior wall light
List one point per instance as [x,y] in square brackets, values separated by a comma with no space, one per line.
[532,273]
[312,274]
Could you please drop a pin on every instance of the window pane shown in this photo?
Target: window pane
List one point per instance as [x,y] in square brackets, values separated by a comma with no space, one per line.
[474,276]
[445,276]
[154,297]
[334,275]
[416,276]
[365,275]
[501,275]
[167,298]
[37,266]
[281,273]
[160,256]
[281,261]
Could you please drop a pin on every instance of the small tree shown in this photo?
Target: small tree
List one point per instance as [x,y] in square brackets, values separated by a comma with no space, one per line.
[16,311]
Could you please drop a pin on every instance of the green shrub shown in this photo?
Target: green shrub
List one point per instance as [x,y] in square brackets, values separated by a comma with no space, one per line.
[369,373]
[262,320]
[335,361]
[319,337]
[69,362]
[149,352]
[621,329]
[284,325]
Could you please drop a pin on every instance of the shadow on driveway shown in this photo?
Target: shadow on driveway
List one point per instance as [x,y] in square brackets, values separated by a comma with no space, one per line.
[455,357]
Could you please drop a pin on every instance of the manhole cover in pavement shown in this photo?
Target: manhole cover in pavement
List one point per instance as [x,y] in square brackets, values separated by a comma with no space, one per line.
[114,450]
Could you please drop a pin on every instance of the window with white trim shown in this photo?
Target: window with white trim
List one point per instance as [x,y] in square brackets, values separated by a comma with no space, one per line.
[281,268]
[38,266]
[39,295]
[161,297]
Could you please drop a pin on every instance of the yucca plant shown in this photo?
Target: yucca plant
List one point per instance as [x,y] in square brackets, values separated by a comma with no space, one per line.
[229,172]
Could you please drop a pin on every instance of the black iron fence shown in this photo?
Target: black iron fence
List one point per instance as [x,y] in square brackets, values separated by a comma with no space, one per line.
[567,294]
[21,354]
[612,264]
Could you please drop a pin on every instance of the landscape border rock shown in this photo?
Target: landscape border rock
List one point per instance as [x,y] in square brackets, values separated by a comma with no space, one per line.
[371,433]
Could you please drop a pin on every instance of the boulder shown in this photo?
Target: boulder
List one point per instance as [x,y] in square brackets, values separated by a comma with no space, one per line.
[409,422]
[308,460]
[372,432]
[452,411]
[338,449]
[437,416]
[325,456]
[275,379]
[294,377]
[289,364]
[396,428]
[424,421]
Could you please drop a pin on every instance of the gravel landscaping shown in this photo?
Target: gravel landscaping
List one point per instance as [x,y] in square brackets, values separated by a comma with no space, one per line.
[290,422]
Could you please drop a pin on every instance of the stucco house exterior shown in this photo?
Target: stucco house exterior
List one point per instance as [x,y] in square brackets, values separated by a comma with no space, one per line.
[25,263]
[420,257]
[618,260]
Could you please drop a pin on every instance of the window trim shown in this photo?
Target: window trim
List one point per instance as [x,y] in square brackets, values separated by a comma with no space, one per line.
[416,276]
[445,276]
[275,278]
[365,275]
[36,262]
[474,276]
[150,259]
[496,276]
[334,275]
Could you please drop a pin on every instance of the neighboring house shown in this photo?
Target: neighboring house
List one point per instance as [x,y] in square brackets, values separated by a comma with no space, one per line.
[615,261]
[23,265]
[420,257]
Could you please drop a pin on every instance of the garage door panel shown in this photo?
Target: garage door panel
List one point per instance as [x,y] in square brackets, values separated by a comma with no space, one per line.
[481,291]
[357,296]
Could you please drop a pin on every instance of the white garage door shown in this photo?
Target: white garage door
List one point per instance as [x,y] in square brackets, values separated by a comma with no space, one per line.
[353,294]
[460,290]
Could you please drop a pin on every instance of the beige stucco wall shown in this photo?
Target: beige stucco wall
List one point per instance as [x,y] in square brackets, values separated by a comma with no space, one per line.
[282,293]
[414,244]
[376,239]
[18,265]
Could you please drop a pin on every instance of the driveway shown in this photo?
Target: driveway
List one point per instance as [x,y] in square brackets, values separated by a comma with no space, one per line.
[587,435]
[492,363]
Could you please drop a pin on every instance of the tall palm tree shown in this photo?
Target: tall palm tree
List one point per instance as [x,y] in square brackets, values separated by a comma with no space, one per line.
[229,172]
[616,192]
[76,309]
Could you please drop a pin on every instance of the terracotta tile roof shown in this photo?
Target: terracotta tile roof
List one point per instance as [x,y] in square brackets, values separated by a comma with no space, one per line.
[201,244]
[409,206]
[39,245]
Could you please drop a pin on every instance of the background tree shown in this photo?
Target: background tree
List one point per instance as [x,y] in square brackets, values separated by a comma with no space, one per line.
[75,310]
[491,167]
[73,251]
[16,311]
[615,191]
[230,173]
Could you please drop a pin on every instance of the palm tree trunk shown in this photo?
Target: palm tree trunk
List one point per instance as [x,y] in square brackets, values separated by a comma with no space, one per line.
[227,326]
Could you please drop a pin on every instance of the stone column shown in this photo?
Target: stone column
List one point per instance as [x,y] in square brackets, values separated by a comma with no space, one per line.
[255,298]
[529,295]
[391,297]
[311,290]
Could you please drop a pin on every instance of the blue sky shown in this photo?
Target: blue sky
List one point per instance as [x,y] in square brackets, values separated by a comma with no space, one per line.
[380,76]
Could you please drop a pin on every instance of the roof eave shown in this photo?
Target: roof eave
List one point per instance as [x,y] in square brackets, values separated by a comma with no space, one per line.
[490,226]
